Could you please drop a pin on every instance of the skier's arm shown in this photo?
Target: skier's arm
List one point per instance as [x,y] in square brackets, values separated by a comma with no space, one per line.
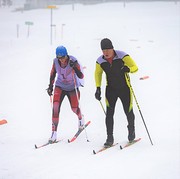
[52,75]
[98,79]
[77,69]
[98,75]
[52,78]
[129,62]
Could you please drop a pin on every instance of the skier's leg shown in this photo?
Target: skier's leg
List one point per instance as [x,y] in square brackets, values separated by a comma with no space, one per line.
[57,101]
[111,99]
[74,102]
[126,99]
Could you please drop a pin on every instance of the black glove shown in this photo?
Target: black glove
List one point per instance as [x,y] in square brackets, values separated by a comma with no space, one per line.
[50,90]
[125,69]
[98,94]
[71,63]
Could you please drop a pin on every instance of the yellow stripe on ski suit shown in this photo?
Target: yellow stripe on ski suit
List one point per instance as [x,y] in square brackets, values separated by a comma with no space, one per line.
[129,62]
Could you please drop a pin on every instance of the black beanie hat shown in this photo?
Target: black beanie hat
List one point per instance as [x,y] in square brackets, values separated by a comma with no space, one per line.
[106,44]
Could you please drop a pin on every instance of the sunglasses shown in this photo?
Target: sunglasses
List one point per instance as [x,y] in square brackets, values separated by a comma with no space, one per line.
[61,57]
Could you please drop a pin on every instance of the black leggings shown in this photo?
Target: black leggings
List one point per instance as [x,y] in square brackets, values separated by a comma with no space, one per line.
[126,98]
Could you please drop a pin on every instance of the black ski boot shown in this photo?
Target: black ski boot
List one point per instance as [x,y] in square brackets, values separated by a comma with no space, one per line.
[109,141]
[131,135]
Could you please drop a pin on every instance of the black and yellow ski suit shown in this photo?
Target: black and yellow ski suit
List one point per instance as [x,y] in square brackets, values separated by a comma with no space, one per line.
[117,86]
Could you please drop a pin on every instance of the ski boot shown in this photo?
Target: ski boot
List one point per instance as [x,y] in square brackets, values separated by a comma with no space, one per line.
[131,135]
[81,123]
[109,141]
[53,137]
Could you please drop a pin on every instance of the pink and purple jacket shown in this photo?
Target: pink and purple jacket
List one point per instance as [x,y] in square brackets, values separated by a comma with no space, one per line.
[68,78]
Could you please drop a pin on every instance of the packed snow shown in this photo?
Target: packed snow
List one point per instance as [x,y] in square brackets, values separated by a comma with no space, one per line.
[149,32]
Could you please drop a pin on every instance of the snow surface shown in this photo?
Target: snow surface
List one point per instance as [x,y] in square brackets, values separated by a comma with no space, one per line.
[149,32]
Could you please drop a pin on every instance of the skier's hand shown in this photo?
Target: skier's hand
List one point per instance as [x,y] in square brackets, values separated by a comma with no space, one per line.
[98,94]
[74,65]
[125,69]
[50,90]
[71,63]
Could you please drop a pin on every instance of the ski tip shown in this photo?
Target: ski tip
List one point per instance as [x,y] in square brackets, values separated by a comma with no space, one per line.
[121,147]
[94,152]
[72,140]
[138,139]
[69,141]
[35,146]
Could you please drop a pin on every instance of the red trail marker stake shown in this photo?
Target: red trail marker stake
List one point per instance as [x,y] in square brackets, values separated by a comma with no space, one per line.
[144,78]
[3,121]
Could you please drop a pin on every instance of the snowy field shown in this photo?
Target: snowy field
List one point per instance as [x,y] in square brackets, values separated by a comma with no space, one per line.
[149,32]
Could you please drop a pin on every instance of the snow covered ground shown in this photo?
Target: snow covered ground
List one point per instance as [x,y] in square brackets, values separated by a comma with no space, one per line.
[149,32]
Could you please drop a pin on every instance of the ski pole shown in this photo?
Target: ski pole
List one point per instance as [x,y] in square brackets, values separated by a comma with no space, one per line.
[51,101]
[102,107]
[79,103]
[127,76]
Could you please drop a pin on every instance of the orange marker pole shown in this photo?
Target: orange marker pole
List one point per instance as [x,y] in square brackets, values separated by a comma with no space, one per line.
[144,78]
[3,121]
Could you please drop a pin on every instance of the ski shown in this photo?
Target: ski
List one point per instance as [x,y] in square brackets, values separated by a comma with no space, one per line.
[43,145]
[103,149]
[73,139]
[121,147]
[130,143]
[78,132]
